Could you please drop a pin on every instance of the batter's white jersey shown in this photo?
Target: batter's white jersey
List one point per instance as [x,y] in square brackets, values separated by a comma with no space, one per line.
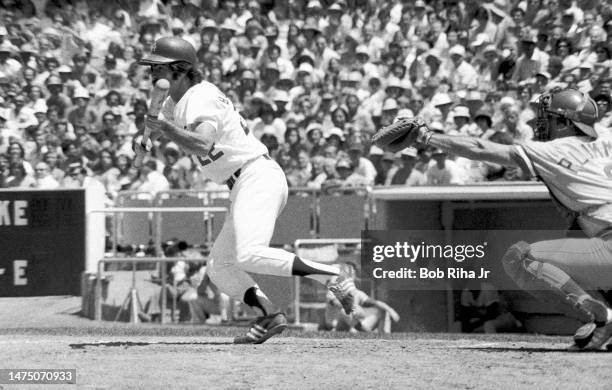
[234,144]
[578,172]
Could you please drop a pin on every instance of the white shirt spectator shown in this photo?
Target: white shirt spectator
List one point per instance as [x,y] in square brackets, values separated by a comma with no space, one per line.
[366,169]
[154,182]
[11,68]
[46,183]
[450,174]
[464,77]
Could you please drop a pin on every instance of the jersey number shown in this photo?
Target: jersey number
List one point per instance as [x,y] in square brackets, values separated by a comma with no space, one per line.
[210,157]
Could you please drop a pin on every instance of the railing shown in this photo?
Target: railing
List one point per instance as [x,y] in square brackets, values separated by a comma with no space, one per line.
[134,260]
[133,297]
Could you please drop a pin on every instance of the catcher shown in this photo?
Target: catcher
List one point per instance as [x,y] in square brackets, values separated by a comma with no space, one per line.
[575,164]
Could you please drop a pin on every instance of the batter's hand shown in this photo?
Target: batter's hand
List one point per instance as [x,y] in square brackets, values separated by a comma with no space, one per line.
[155,125]
[138,148]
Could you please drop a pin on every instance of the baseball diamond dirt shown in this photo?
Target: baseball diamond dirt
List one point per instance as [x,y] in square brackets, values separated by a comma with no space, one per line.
[124,356]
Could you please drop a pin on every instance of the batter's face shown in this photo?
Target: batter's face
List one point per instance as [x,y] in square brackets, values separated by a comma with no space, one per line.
[176,74]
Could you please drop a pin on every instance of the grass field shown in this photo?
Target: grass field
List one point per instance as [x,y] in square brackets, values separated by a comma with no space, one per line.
[123,356]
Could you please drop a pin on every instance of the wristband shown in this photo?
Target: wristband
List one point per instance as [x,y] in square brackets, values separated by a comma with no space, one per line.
[425,137]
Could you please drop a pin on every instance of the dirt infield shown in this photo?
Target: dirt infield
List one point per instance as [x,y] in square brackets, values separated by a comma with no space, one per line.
[122,356]
[303,361]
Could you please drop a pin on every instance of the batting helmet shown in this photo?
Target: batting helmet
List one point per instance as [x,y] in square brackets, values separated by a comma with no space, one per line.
[170,49]
[570,104]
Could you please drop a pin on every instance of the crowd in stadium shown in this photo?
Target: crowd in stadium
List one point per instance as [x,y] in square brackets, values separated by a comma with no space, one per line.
[314,80]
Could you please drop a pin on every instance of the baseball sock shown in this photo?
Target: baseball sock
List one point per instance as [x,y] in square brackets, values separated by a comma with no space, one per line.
[313,270]
[256,298]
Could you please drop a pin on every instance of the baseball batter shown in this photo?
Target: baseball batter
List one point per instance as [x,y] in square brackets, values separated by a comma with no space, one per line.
[576,165]
[199,118]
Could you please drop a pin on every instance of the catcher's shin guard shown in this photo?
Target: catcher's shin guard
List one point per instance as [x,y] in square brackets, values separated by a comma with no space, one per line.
[548,282]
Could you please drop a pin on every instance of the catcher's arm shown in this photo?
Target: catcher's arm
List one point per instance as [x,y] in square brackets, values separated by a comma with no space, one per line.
[406,132]
[475,148]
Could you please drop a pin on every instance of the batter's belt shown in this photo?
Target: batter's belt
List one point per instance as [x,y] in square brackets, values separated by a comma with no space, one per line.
[232,179]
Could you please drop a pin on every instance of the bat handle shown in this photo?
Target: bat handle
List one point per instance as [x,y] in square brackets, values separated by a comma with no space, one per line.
[140,155]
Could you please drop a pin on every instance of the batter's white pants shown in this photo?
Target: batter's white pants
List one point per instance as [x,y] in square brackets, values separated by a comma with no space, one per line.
[257,199]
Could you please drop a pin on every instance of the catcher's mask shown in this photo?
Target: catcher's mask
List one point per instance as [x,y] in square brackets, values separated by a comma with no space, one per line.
[559,112]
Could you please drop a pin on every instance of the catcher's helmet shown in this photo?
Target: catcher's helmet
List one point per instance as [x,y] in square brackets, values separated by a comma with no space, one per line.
[570,104]
[170,49]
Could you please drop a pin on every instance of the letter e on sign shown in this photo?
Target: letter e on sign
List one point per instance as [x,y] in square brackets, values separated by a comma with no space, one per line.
[19,213]
[19,270]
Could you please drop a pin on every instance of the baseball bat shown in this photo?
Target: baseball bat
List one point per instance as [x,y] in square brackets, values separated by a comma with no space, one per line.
[158,95]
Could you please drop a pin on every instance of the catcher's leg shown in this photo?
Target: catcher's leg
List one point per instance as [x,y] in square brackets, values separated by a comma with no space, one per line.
[551,271]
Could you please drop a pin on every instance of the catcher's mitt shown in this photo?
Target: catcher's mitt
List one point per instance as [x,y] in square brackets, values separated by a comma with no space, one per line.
[401,134]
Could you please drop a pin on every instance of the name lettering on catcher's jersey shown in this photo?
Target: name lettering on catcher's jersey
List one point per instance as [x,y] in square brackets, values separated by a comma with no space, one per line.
[578,171]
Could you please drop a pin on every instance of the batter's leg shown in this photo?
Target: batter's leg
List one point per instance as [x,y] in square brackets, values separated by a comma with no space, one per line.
[231,279]
[259,199]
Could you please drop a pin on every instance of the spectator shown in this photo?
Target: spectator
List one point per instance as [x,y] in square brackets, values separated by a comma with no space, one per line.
[19,178]
[293,140]
[463,75]
[52,159]
[57,98]
[152,180]
[387,169]
[361,165]
[531,61]
[604,104]
[16,154]
[301,174]
[268,123]
[5,170]
[107,172]
[9,67]
[22,115]
[511,123]
[81,113]
[346,177]
[44,179]
[318,174]
[316,142]
[443,171]
[406,174]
